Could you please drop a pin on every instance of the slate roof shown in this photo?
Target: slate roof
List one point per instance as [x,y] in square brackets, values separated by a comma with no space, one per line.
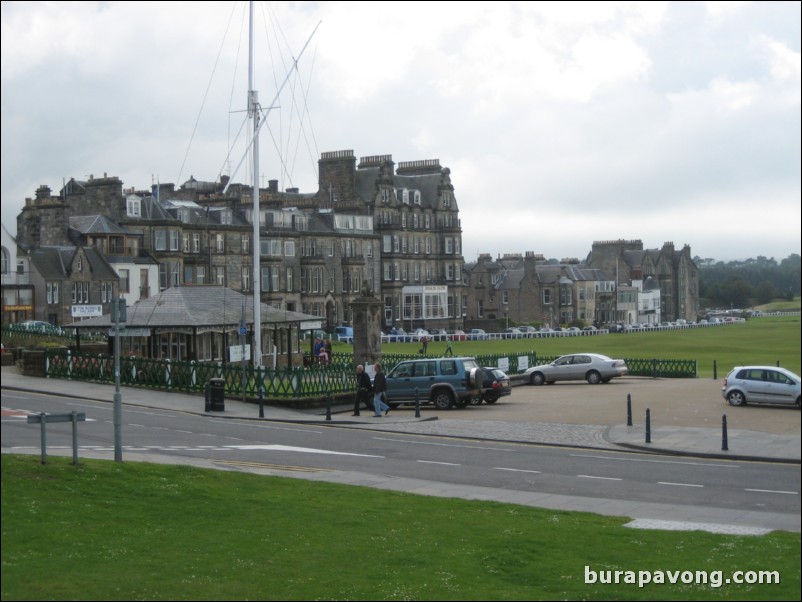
[52,263]
[198,306]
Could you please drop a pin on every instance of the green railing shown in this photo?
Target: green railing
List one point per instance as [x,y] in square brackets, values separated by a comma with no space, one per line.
[314,381]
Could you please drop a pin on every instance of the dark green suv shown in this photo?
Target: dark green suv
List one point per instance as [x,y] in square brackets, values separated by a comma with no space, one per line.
[444,381]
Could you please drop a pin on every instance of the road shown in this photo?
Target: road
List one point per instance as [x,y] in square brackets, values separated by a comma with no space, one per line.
[588,475]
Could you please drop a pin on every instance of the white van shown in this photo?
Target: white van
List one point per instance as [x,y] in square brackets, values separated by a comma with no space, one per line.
[344,334]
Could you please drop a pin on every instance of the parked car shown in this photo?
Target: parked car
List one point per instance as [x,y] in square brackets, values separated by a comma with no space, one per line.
[477,334]
[41,327]
[496,384]
[511,333]
[761,384]
[444,382]
[457,335]
[592,367]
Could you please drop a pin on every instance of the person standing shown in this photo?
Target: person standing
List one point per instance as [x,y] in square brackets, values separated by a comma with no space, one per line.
[425,341]
[449,351]
[379,387]
[363,387]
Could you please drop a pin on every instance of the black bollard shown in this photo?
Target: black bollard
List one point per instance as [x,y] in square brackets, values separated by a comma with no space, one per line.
[724,446]
[715,371]
[648,427]
[629,409]
[328,406]
[417,403]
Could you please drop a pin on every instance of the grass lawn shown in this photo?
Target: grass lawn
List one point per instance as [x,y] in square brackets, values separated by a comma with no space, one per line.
[137,531]
[758,341]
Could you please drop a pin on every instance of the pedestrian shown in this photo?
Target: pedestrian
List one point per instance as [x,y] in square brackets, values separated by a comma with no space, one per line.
[317,350]
[379,387]
[363,387]
[327,349]
[425,341]
[449,351]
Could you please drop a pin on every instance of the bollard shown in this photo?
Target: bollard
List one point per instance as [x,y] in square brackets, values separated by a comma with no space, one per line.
[648,426]
[417,403]
[629,409]
[328,406]
[208,406]
[715,371]
[724,446]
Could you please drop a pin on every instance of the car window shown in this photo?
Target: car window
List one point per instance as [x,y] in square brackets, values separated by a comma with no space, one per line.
[402,370]
[425,369]
[775,377]
[582,359]
[563,361]
[448,367]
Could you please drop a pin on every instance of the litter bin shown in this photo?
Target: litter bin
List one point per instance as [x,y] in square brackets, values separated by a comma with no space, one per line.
[217,399]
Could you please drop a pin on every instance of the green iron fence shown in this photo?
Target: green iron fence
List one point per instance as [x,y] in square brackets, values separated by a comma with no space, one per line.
[293,383]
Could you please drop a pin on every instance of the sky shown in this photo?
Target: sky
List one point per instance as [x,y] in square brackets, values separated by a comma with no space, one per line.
[563,123]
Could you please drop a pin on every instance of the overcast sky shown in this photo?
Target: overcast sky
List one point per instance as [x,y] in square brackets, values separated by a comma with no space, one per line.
[562,123]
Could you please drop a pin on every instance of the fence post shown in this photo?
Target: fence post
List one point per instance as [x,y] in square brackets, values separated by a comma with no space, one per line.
[629,409]
[648,426]
[724,446]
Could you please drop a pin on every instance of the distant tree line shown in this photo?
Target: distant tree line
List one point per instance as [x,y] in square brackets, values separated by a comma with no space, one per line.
[751,282]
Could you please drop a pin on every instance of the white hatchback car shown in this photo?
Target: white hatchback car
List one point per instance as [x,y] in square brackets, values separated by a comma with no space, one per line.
[761,384]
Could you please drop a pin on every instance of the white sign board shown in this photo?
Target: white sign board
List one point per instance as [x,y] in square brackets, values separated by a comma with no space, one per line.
[87,311]
[523,363]
[504,364]
[237,353]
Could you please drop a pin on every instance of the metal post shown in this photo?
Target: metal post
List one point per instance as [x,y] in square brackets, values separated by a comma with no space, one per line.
[629,409]
[74,416]
[117,315]
[648,426]
[417,403]
[328,406]
[261,393]
[724,446]
[715,371]
[43,417]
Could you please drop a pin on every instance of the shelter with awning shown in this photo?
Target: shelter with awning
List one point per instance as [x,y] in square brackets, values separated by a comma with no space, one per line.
[206,323]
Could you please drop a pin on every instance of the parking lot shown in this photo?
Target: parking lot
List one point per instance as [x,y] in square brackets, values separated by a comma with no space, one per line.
[693,402]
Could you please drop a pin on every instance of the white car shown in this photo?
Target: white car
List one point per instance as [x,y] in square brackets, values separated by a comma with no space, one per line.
[761,384]
[592,367]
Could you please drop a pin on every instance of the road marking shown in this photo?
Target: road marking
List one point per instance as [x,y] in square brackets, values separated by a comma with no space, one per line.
[678,484]
[654,461]
[271,466]
[517,470]
[442,444]
[307,450]
[433,462]
[773,491]
[588,476]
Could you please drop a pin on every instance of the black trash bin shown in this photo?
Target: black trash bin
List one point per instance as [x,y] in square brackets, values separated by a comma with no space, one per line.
[217,398]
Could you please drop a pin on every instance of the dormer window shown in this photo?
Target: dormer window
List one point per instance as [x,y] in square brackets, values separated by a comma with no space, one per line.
[134,207]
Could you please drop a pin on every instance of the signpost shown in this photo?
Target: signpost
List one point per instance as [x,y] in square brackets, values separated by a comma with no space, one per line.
[43,418]
[118,315]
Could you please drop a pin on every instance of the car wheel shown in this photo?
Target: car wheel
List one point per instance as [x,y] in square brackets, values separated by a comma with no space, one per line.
[536,378]
[491,398]
[476,401]
[606,380]
[736,398]
[593,377]
[442,400]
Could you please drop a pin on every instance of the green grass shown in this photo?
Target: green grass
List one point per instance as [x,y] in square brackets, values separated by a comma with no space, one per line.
[137,531]
[757,341]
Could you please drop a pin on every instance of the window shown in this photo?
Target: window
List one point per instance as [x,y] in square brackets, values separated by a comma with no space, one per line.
[52,293]
[245,243]
[290,282]
[186,242]
[160,240]
[219,275]
[80,292]
[106,292]
[174,240]
[546,296]
[220,243]
[246,278]
[196,243]
[289,248]
[134,207]
[125,284]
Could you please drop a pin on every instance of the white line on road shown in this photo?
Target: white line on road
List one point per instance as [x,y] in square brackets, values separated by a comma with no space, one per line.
[517,470]
[442,444]
[654,461]
[678,484]
[588,476]
[773,491]
[433,462]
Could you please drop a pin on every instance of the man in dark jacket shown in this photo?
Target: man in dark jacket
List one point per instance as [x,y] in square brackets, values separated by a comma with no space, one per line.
[363,388]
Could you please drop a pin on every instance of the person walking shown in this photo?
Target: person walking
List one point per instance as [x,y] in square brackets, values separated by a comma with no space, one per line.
[379,387]
[425,341]
[363,387]
[449,351]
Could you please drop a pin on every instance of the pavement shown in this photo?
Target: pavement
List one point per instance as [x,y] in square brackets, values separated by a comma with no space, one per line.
[685,419]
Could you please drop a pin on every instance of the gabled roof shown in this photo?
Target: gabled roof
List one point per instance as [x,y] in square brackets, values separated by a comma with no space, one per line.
[95,224]
[53,263]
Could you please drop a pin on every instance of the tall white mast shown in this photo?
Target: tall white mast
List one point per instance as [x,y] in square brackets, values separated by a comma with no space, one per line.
[253,112]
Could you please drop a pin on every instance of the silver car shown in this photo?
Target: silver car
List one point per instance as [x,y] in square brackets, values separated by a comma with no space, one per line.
[592,367]
[761,384]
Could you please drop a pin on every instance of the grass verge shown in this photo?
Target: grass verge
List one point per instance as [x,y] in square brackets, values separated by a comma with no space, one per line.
[137,531]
